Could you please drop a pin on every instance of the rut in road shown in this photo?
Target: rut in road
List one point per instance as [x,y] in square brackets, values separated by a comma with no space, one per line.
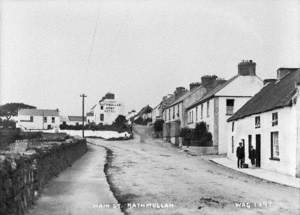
[108,164]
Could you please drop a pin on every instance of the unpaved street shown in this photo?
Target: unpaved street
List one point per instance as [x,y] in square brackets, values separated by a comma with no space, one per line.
[144,170]
[79,190]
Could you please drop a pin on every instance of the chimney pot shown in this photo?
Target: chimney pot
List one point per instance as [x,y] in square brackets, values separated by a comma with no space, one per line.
[194,85]
[247,68]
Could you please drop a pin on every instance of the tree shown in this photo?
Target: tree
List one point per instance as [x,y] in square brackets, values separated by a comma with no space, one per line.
[11,109]
[120,120]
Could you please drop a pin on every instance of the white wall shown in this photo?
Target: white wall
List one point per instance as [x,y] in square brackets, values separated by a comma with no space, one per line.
[37,123]
[109,117]
[177,107]
[287,128]
[242,86]
[224,126]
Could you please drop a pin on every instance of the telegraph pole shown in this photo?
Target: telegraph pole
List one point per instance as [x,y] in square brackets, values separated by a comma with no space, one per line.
[83,97]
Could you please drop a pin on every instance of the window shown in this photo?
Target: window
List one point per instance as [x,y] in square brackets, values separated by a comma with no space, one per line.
[45,119]
[178,110]
[196,114]
[257,122]
[229,106]
[101,117]
[207,109]
[173,112]
[31,118]
[274,119]
[169,114]
[274,146]
[101,107]
[232,144]
[53,119]
[232,126]
[190,116]
[201,114]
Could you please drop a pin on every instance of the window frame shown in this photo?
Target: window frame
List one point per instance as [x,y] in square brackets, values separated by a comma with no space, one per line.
[275,119]
[207,109]
[273,156]
[229,111]
[257,122]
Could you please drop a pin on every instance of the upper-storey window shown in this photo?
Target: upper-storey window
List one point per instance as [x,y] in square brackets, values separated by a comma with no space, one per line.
[274,119]
[257,122]
[229,106]
[196,114]
[201,112]
[207,109]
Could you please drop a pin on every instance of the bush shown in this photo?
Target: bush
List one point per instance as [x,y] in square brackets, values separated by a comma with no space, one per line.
[201,136]
[186,133]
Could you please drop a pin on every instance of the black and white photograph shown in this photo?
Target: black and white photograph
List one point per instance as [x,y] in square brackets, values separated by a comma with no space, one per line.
[149,107]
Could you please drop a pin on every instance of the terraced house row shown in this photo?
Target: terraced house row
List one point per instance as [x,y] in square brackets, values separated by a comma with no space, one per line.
[260,113]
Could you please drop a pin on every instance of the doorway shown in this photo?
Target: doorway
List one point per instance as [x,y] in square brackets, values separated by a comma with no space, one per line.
[257,154]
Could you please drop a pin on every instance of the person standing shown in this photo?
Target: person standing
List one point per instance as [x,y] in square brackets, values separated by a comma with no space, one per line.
[240,155]
[252,155]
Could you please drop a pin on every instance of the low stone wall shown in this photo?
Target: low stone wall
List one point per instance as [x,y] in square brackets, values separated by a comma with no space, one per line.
[203,150]
[22,175]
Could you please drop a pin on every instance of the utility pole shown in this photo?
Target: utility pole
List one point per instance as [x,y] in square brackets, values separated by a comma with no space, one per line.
[83,97]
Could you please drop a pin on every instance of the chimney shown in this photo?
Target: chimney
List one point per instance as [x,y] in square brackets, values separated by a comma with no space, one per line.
[109,96]
[246,68]
[194,85]
[269,80]
[179,91]
[281,72]
[209,80]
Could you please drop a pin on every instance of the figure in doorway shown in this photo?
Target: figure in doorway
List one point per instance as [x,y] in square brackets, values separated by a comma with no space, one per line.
[240,154]
[252,155]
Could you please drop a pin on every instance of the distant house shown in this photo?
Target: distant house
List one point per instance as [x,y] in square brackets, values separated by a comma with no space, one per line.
[144,114]
[106,110]
[38,119]
[175,114]
[72,120]
[218,104]
[270,122]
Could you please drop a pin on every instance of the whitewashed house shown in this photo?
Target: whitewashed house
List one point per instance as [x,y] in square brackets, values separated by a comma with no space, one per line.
[72,120]
[270,122]
[106,110]
[38,119]
[218,104]
[157,112]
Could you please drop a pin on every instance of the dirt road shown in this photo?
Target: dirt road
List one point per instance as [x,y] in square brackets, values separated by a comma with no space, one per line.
[144,171]
[79,190]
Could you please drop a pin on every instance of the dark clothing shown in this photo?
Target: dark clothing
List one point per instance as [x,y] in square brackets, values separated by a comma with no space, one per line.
[240,162]
[240,154]
[252,156]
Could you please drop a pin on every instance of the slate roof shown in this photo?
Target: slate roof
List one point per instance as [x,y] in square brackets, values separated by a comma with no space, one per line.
[274,95]
[182,97]
[210,93]
[76,118]
[38,112]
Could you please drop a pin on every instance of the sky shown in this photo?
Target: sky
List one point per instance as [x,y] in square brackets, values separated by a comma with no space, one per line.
[51,51]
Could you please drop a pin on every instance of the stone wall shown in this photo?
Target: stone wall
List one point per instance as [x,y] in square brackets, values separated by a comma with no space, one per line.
[22,175]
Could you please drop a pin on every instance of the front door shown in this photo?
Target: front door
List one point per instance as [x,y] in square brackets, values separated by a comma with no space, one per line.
[257,149]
